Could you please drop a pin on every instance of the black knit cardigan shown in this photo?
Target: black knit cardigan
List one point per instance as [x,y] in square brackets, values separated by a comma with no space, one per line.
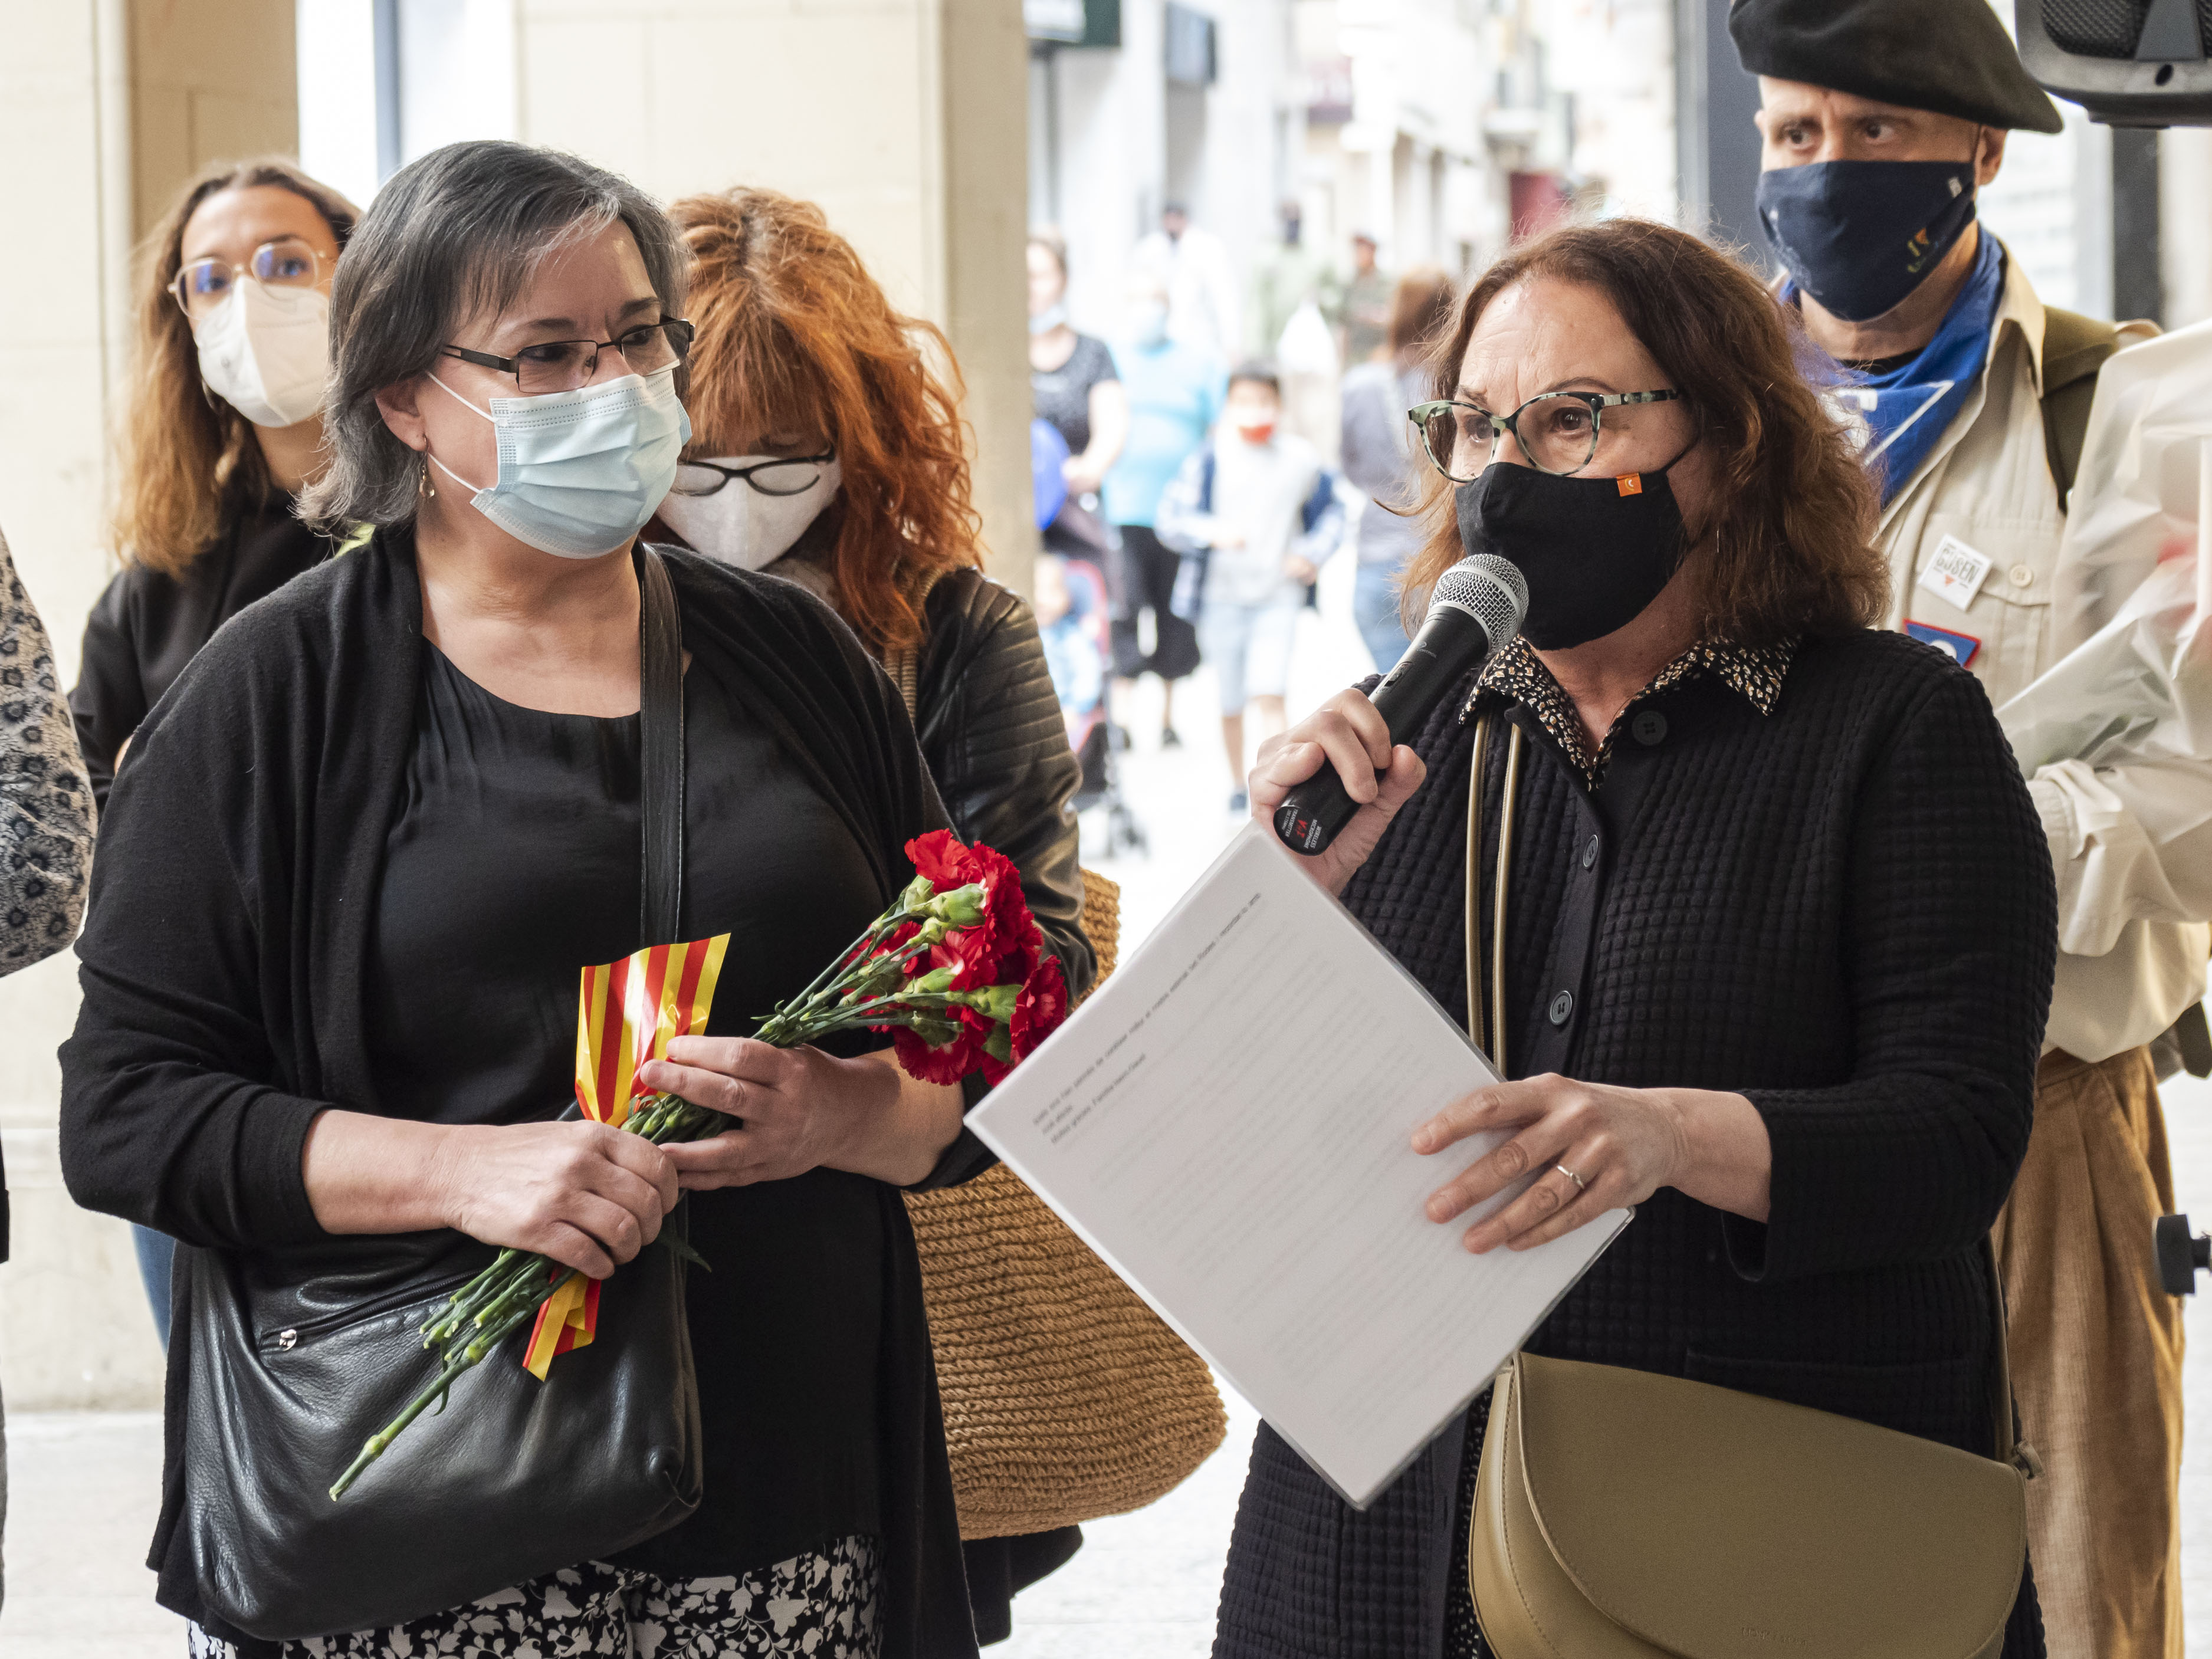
[229,937]
[1843,910]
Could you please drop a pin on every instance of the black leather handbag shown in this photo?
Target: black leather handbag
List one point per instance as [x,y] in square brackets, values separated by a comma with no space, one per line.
[297,1359]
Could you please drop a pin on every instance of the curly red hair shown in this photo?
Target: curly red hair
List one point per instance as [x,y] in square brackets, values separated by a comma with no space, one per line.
[795,336]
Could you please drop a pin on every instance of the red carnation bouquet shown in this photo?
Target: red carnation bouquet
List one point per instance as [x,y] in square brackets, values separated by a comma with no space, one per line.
[955,970]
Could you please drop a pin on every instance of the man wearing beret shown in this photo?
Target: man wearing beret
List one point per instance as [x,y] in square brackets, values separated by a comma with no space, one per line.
[1881,120]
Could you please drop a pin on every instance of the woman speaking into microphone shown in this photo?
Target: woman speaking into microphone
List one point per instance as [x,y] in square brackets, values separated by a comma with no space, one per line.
[1764,919]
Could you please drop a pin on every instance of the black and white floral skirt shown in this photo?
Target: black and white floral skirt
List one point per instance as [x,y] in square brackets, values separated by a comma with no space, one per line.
[818,1606]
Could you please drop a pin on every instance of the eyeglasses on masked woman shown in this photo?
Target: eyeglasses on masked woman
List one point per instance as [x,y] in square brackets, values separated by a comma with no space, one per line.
[287,265]
[568,365]
[779,477]
[1559,432]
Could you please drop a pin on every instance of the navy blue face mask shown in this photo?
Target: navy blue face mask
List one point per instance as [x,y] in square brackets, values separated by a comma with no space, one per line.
[1859,236]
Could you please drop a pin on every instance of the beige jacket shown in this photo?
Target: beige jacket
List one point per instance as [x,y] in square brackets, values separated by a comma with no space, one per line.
[2123,975]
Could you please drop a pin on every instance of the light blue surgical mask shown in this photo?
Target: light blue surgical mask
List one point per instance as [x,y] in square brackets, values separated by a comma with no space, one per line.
[580,473]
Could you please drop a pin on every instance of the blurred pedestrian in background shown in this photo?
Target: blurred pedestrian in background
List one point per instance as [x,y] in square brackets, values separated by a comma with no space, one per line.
[1254,516]
[1075,389]
[1382,457]
[1175,394]
[1287,276]
[1366,304]
[1297,299]
[362,847]
[46,827]
[1705,755]
[229,365]
[1193,265]
[1973,398]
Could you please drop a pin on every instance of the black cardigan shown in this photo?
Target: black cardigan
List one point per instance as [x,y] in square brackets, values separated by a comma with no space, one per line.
[225,957]
[1843,910]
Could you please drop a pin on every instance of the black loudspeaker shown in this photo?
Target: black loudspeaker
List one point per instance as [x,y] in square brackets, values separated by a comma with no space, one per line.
[2128,63]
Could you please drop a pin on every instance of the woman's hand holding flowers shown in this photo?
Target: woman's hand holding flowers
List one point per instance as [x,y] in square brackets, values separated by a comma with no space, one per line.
[587,1196]
[797,1109]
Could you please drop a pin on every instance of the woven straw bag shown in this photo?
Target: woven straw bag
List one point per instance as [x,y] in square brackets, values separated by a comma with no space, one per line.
[1066,1397]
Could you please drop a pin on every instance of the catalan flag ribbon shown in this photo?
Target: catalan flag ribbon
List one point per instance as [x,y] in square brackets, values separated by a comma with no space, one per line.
[627,1013]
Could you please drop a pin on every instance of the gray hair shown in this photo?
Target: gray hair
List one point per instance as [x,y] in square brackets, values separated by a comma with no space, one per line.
[461,232]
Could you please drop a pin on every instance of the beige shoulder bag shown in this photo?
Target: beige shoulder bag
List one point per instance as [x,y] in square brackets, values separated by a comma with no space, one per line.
[1066,1398]
[1621,1514]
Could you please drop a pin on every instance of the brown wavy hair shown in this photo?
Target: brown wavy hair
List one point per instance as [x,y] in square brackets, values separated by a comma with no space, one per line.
[795,334]
[1788,540]
[188,462]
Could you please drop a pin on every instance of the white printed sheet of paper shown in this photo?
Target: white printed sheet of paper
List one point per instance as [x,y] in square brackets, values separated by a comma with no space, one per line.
[1228,1123]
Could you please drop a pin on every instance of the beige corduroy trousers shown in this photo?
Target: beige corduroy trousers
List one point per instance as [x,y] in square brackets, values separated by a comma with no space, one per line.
[2096,1360]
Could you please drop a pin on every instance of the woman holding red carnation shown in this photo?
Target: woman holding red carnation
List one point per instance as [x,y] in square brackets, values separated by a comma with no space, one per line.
[827,449]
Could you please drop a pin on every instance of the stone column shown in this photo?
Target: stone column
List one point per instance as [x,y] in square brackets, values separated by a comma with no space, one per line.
[904,119]
[109,105]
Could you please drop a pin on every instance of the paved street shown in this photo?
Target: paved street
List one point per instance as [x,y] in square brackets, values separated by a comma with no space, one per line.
[84,1485]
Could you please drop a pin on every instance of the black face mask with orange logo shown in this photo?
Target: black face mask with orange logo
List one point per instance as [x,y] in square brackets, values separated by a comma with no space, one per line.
[1594,551]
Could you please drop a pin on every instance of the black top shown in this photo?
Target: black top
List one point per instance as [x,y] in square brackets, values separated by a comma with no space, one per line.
[147,626]
[511,864]
[1843,910]
[1062,395]
[1952,57]
[234,990]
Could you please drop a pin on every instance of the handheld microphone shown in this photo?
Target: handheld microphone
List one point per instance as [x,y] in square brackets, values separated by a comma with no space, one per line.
[1476,608]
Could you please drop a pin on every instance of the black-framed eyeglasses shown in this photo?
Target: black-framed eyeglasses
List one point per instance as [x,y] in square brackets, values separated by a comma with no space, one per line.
[565,364]
[782,476]
[1558,431]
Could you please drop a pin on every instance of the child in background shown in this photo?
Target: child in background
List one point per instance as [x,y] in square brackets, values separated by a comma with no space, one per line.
[1256,515]
[1069,631]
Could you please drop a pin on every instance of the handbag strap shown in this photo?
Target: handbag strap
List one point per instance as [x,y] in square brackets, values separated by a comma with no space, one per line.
[1496,1047]
[2003,1415]
[660,749]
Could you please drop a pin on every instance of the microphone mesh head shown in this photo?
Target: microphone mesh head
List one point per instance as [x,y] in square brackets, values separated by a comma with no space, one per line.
[1488,589]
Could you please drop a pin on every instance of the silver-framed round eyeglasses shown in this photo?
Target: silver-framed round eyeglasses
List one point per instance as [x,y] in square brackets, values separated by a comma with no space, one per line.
[285,264]
[1558,431]
[793,477]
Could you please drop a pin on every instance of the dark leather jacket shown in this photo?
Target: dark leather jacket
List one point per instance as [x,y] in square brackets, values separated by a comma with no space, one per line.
[992,734]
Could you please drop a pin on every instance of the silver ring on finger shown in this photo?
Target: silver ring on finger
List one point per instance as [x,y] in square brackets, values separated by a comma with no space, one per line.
[1581,1185]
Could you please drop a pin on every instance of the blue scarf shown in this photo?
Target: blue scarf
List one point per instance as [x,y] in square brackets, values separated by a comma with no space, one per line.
[1908,410]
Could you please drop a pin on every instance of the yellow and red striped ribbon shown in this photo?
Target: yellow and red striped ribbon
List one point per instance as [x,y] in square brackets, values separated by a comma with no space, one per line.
[627,1013]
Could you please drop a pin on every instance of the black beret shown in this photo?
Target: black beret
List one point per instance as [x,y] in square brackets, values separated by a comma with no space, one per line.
[1951,57]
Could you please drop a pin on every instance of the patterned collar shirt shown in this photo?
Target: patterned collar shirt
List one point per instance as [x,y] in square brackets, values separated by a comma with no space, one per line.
[1517,675]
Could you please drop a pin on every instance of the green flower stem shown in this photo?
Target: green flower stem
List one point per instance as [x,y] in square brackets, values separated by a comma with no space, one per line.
[437,1387]
[466,1300]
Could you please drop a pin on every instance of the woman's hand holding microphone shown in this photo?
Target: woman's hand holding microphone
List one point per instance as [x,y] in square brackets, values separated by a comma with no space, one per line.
[1347,732]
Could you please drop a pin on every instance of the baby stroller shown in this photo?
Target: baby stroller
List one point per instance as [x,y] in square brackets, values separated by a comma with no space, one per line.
[1072,617]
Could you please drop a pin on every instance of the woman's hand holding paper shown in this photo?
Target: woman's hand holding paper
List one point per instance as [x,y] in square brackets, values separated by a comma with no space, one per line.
[1346,733]
[1622,1144]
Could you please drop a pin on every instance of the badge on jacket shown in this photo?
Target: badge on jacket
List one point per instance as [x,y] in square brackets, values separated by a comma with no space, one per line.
[1955,573]
[1959,647]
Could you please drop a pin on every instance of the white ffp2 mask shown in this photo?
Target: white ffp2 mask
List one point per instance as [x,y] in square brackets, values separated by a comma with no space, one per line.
[268,354]
[740,525]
